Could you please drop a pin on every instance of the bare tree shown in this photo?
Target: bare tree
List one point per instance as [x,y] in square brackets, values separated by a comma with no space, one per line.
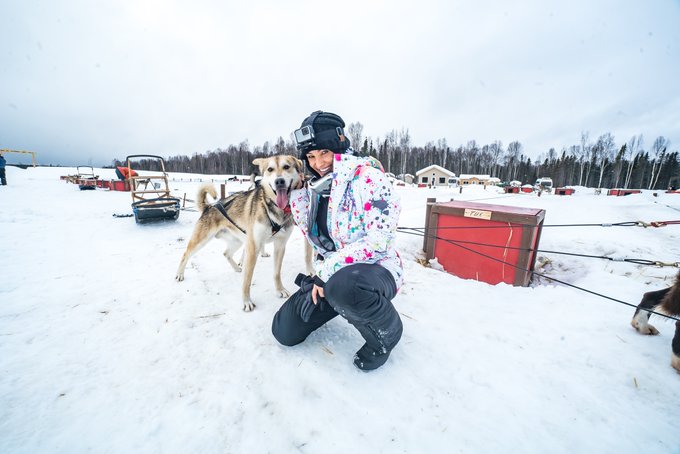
[280,146]
[443,152]
[618,164]
[633,148]
[471,152]
[603,152]
[404,148]
[356,132]
[244,152]
[495,152]
[583,157]
[390,148]
[658,152]
[513,159]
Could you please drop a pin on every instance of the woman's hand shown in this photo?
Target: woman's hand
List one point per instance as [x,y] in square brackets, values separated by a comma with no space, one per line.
[316,290]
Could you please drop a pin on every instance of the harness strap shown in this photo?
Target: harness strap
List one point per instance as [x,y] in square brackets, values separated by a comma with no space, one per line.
[276,227]
[222,209]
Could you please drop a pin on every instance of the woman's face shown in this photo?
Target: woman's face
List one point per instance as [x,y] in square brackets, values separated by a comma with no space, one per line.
[321,161]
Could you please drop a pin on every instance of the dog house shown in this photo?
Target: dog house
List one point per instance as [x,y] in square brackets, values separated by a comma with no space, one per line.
[485,242]
[621,192]
[564,191]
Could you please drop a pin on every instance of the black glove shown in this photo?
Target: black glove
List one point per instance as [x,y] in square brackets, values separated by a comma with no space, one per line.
[307,307]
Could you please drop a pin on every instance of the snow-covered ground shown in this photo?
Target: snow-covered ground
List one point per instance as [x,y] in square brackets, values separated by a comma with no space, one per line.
[102,351]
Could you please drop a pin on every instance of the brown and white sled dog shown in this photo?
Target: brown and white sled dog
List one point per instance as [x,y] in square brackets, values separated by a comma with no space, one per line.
[666,301]
[250,218]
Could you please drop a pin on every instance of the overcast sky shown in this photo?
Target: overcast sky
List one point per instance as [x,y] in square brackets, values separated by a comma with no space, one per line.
[84,82]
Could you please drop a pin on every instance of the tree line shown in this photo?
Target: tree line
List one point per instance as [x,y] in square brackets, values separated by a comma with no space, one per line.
[598,162]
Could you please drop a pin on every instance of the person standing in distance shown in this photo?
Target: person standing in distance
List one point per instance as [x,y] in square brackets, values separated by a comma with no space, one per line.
[349,213]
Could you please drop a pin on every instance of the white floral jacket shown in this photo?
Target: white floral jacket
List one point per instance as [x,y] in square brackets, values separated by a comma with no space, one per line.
[363,212]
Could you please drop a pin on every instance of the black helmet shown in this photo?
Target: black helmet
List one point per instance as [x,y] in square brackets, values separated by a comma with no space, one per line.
[321,131]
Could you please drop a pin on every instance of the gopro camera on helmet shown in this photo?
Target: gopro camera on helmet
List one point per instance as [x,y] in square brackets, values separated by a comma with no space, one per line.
[304,136]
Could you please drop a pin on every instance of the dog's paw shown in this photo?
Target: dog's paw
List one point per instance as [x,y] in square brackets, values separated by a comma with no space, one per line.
[264,254]
[645,328]
[649,329]
[248,306]
[282,292]
[179,277]
[675,362]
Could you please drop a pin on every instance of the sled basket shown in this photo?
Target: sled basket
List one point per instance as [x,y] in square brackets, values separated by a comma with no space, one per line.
[153,210]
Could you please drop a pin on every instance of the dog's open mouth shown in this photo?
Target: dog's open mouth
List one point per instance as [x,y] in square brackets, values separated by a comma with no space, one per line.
[282,198]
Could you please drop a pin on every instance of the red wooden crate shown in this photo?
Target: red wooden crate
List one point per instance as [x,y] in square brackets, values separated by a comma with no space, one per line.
[458,224]
[120,185]
[620,192]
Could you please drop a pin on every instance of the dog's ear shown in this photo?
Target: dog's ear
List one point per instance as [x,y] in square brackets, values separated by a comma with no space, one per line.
[300,165]
[258,161]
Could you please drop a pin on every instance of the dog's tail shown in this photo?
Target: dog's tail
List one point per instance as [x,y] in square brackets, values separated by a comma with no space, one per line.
[671,302]
[201,202]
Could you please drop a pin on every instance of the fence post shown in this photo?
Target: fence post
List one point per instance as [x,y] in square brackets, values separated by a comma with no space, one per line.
[428,210]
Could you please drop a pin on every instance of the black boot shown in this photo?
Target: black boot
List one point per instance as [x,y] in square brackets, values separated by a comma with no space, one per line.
[374,353]
[368,359]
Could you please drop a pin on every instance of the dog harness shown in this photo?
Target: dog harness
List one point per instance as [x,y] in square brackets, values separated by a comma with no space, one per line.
[276,227]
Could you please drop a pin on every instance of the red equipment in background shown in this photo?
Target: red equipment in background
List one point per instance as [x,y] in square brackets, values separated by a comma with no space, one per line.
[620,192]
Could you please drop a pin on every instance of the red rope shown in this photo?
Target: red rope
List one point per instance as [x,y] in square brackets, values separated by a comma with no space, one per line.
[662,223]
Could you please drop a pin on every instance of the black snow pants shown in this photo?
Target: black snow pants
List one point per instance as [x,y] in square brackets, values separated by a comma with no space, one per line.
[361,293]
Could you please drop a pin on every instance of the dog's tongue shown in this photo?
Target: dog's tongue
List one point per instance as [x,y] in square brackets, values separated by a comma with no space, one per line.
[282,198]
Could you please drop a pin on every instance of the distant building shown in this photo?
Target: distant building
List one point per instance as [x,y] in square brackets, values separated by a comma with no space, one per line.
[435,175]
[466,180]
[406,178]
